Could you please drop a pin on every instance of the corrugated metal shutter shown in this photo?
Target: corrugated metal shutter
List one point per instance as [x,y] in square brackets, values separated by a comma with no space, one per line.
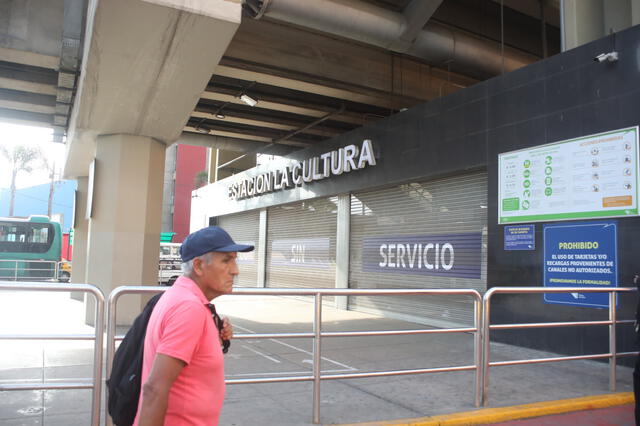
[392,229]
[244,228]
[301,244]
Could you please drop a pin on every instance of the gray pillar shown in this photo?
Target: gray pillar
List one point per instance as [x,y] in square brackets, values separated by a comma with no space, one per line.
[80,228]
[583,21]
[262,249]
[124,229]
[343,234]
[635,12]
[169,191]
[617,16]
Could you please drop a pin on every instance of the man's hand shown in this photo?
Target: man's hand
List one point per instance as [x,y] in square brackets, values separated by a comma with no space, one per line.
[227,330]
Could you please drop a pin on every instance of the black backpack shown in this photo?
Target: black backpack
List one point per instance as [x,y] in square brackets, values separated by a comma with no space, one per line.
[124,384]
[126,373]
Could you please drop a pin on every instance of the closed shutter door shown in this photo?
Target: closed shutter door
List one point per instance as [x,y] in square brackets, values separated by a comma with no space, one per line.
[420,235]
[243,228]
[301,244]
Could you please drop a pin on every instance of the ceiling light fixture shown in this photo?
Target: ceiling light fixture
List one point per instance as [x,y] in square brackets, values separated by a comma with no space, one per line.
[248,100]
[220,116]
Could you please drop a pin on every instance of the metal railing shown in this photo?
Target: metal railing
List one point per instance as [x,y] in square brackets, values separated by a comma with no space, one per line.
[19,271]
[611,322]
[96,384]
[317,335]
[112,310]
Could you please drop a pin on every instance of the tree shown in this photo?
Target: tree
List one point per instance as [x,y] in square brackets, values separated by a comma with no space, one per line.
[20,159]
[51,168]
[201,179]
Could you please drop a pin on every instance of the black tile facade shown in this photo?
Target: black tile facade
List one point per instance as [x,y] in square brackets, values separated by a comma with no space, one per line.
[566,96]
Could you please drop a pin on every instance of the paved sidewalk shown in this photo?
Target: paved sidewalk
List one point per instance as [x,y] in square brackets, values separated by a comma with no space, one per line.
[342,401]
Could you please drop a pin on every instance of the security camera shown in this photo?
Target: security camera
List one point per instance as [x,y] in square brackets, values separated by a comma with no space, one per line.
[611,57]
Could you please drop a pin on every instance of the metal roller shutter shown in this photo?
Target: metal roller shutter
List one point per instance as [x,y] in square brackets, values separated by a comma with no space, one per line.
[243,228]
[301,244]
[420,235]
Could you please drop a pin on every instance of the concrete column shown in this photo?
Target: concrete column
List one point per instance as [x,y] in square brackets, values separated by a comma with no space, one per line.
[124,229]
[583,21]
[169,192]
[80,228]
[617,16]
[262,249]
[635,12]
[343,234]
[212,165]
[587,20]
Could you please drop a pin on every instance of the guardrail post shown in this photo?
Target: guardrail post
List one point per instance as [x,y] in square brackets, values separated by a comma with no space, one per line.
[97,358]
[612,341]
[477,349]
[486,346]
[96,385]
[111,343]
[317,347]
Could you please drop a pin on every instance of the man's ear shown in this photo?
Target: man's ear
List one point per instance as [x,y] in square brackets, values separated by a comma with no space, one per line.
[197,266]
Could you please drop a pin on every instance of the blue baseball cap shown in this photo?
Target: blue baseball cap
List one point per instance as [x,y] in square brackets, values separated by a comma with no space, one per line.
[207,240]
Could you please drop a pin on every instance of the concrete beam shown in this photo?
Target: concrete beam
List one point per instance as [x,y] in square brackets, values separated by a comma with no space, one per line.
[233,144]
[266,122]
[288,50]
[298,82]
[27,86]
[33,31]
[145,64]
[287,106]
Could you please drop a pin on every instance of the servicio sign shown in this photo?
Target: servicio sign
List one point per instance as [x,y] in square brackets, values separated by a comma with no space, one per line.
[332,163]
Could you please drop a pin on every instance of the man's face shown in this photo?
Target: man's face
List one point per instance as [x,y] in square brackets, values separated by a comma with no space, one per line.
[216,276]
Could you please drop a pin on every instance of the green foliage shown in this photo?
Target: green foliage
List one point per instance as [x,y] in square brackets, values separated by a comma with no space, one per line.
[202,178]
[20,159]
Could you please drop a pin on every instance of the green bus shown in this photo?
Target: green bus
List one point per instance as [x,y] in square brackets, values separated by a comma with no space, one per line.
[29,248]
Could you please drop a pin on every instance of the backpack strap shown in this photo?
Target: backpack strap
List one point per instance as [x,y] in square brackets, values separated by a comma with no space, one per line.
[219,324]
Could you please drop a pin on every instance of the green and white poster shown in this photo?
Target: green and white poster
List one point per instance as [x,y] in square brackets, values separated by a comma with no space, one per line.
[593,176]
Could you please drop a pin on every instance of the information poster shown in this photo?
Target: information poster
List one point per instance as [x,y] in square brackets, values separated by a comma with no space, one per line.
[590,177]
[580,255]
[520,237]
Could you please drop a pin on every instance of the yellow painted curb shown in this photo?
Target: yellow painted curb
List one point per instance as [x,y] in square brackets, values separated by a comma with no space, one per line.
[495,415]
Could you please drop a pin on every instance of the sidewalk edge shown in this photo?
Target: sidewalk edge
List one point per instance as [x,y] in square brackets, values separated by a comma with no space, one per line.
[515,412]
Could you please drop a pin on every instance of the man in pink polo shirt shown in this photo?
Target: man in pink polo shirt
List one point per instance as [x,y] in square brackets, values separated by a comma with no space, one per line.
[183,368]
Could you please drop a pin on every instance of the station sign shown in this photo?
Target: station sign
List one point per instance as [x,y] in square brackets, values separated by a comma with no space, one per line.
[332,163]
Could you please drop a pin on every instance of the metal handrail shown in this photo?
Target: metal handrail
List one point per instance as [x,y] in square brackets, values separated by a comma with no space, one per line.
[96,383]
[611,322]
[15,269]
[316,377]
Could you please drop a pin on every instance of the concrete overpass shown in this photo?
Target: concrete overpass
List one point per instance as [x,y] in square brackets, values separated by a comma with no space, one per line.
[121,80]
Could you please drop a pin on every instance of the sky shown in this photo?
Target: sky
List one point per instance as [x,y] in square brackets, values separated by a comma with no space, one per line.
[14,134]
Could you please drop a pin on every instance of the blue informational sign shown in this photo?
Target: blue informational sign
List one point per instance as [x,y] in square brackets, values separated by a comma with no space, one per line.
[451,255]
[580,255]
[520,237]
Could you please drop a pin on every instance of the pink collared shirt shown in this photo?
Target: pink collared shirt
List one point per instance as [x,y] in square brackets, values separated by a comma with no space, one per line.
[181,327]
